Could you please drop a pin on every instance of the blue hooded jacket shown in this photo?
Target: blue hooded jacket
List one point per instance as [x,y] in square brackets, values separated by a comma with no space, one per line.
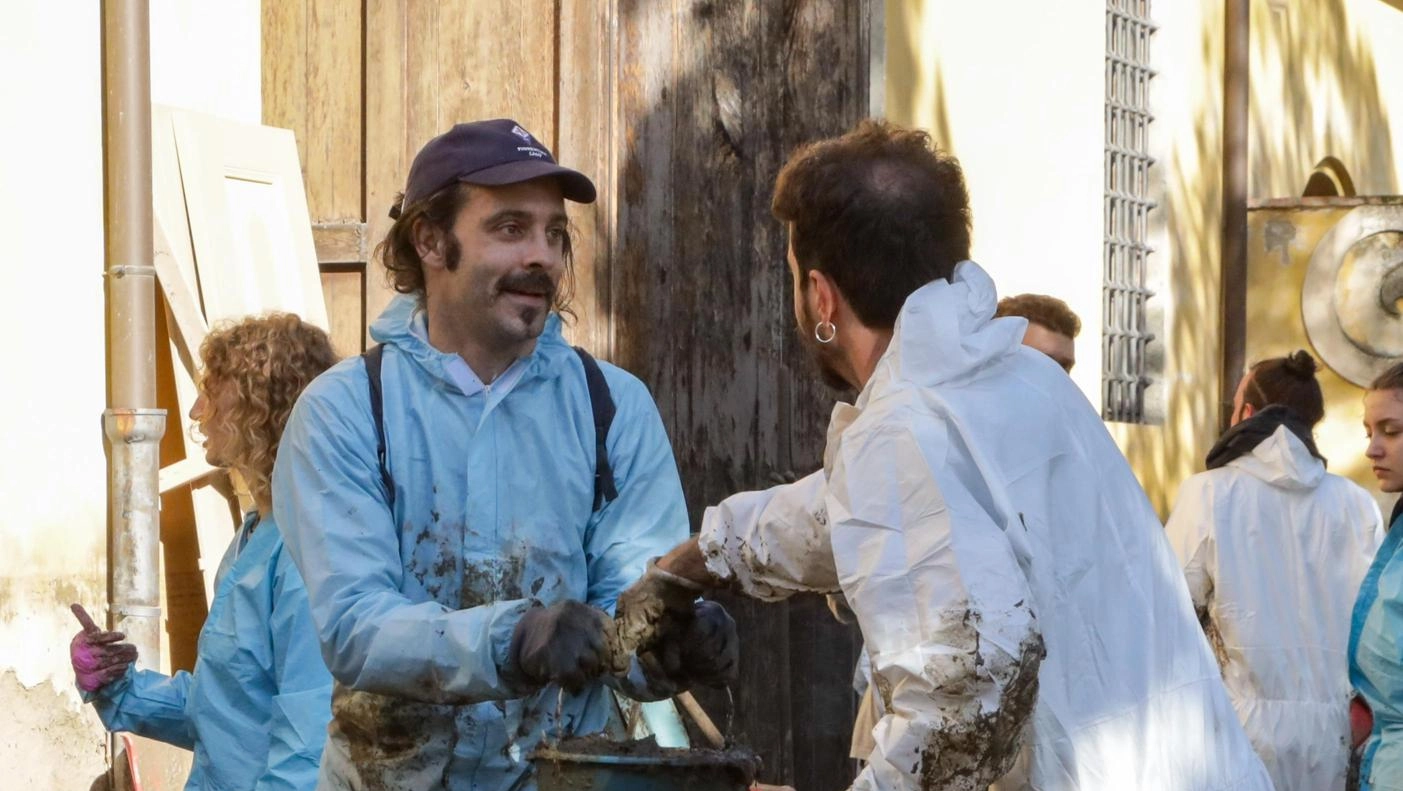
[493,510]
[255,710]
[1376,663]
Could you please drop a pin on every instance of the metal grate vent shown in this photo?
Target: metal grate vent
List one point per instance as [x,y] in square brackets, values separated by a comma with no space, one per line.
[1127,207]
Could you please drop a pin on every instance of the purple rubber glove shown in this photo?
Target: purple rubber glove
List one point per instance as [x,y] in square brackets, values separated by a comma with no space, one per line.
[98,657]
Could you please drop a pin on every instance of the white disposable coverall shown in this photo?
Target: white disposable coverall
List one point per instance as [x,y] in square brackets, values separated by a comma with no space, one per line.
[970,480]
[1274,549]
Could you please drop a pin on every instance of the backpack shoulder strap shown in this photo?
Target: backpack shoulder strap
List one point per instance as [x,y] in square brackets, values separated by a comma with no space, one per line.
[373,357]
[602,405]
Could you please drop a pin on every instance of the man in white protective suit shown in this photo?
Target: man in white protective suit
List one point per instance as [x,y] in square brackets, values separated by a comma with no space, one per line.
[1274,549]
[1025,618]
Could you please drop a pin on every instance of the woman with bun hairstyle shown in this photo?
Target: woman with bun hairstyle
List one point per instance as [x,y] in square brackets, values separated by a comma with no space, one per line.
[256,707]
[1376,630]
[1273,549]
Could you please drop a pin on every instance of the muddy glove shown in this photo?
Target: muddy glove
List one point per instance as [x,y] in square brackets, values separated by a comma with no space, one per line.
[704,651]
[99,657]
[658,603]
[568,642]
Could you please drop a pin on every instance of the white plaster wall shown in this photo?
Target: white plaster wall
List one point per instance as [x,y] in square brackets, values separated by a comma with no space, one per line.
[52,313]
[53,493]
[1016,91]
[206,56]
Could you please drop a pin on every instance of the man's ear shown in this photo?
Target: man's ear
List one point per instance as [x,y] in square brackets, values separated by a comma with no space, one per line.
[1248,410]
[825,294]
[428,243]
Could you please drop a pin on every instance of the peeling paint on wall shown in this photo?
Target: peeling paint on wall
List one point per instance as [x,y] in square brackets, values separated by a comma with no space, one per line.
[50,738]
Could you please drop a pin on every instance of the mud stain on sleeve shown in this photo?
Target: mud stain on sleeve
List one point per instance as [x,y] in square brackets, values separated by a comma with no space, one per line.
[980,747]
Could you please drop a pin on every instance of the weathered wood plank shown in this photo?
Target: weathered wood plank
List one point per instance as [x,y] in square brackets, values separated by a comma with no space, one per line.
[388,104]
[340,242]
[312,85]
[284,57]
[344,288]
[330,142]
[495,59]
[822,655]
[713,95]
[585,86]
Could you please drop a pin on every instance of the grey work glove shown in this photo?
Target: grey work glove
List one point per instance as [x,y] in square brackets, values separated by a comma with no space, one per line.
[660,602]
[568,643]
[705,650]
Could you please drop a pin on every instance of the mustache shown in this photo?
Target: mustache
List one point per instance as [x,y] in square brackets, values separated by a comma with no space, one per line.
[532,281]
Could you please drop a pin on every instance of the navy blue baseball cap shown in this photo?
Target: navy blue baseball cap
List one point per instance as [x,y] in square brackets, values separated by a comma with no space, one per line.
[489,153]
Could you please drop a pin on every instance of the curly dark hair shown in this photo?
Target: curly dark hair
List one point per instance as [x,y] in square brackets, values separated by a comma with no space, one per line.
[1050,312]
[880,210]
[267,360]
[404,270]
[1289,381]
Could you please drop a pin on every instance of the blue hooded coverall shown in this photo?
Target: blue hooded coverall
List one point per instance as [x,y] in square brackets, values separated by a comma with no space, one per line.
[1376,663]
[255,709]
[493,510]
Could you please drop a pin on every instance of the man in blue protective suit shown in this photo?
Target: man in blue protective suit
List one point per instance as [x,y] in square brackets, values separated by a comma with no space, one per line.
[462,533]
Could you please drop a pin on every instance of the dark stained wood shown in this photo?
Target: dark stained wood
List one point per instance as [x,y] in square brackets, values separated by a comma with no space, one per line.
[713,95]
[682,111]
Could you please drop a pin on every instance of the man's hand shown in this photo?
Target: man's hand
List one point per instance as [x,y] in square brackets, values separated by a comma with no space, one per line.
[568,642]
[703,651]
[656,604]
[99,657]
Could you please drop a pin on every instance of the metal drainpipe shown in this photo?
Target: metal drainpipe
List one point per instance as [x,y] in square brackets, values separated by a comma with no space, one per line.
[132,425]
[1233,282]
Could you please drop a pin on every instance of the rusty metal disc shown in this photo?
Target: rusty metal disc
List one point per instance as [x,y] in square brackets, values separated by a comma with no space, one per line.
[1353,288]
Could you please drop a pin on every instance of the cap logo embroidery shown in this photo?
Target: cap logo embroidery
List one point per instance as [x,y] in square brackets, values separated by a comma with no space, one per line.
[522,133]
[535,152]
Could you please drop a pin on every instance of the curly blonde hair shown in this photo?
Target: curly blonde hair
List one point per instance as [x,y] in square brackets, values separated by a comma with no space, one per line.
[267,360]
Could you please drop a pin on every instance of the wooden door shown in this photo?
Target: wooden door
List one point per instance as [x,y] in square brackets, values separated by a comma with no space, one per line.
[682,111]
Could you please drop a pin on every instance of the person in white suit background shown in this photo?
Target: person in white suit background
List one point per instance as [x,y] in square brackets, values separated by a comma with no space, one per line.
[1273,549]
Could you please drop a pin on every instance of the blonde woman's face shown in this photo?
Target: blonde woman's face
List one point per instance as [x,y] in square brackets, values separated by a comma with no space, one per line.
[1383,425]
[212,411]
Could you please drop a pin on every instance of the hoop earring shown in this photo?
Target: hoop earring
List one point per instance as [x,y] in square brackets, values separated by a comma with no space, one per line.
[832,332]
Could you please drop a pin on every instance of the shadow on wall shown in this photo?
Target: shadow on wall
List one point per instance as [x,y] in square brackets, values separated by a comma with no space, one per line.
[1315,93]
[1307,63]
[924,100]
[712,97]
[1319,96]
[1190,215]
